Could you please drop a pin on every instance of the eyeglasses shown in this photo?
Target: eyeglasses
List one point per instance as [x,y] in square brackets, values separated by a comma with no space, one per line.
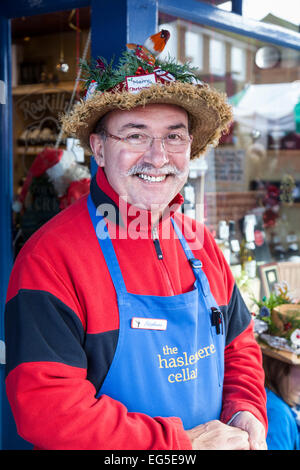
[140,142]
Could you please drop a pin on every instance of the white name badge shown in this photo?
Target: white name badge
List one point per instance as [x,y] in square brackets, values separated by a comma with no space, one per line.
[148,323]
[135,84]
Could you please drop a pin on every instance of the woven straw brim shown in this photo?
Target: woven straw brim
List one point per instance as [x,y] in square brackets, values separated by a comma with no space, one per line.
[209,113]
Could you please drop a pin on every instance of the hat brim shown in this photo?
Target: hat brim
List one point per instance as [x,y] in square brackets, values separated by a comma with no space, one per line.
[209,113]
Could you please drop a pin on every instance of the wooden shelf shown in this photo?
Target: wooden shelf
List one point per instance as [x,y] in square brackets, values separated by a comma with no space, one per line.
[32,149]
[283,153]
[35,149]
[290,206]
[287,160]
[41,88]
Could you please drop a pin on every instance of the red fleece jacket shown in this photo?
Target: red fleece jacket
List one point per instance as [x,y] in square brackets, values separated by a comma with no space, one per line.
[62,329]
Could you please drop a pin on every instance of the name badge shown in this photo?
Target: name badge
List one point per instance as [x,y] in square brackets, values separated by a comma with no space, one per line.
[148,323]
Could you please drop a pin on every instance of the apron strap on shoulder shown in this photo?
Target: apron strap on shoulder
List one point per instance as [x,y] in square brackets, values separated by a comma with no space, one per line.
[107,248]
[195,263]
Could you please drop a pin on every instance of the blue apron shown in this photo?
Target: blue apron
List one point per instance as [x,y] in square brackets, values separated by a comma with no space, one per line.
[169,360]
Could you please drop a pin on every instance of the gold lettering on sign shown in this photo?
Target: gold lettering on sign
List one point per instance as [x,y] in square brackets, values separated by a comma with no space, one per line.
[35,109]
[169,359]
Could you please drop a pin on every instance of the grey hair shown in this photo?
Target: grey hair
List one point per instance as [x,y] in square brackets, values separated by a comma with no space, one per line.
[100,126]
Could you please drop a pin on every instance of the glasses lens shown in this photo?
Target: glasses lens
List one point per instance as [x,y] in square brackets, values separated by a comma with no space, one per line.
[172,142]
[138,140]
[176,142]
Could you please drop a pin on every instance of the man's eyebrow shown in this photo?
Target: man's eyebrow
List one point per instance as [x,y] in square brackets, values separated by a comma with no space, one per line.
[177,126]
[133,125]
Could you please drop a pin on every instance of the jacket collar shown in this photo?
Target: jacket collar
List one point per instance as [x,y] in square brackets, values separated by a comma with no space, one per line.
[118,211]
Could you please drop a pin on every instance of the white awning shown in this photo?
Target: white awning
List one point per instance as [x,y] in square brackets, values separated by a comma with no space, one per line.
[267,107]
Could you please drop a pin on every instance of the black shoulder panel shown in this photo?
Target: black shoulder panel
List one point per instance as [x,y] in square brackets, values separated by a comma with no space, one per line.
[236,315]
[40,327]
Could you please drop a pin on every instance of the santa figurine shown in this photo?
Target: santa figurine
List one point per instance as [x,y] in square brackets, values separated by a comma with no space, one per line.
[69,179]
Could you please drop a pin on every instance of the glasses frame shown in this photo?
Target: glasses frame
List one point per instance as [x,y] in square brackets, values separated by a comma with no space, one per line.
[152,138]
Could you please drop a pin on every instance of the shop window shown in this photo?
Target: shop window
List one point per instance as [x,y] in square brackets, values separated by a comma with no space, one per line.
[217,57]
[248,187]
[43,85]
[282,13]
[194,48]
[238,63]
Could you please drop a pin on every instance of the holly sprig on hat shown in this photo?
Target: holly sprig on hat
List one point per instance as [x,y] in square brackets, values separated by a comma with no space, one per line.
[106,75]
[99,71]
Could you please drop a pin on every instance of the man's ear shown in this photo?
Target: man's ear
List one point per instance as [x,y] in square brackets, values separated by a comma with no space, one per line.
[96,144]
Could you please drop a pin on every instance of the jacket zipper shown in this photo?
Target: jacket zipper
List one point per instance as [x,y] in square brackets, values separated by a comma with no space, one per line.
[159,254]
[156,242]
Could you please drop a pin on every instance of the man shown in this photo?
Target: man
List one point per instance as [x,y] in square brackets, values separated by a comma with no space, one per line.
[130,331]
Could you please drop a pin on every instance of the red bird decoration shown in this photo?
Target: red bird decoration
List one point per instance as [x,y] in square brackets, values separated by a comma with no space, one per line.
[152,47]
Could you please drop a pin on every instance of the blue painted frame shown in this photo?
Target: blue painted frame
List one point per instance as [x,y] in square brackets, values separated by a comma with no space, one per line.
[5,187]
[134,20]
[20,8]
[205,14]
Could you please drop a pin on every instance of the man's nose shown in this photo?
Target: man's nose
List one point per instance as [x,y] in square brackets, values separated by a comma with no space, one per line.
[156,154]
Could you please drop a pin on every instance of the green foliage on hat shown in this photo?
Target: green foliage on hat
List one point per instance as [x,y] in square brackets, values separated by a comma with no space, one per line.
[107,76]
[104,77]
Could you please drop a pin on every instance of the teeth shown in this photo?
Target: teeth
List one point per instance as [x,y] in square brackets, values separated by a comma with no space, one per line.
[152,178]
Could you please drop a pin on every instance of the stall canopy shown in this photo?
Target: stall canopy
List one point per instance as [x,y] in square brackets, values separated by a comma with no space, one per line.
[268,107]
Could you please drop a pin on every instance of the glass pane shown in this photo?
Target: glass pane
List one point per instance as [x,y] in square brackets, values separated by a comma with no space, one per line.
[43,80]
[285,14]
[251,181]
[217,66]
[194,48]
[238,63]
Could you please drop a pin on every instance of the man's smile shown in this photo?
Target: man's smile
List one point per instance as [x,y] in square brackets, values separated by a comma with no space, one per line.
[152,179]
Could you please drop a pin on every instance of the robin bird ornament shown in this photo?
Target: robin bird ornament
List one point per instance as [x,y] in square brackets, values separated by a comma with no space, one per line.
[152,47]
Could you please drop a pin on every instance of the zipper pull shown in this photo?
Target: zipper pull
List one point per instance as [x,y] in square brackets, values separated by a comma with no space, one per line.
[156,243]
[216,320]
[158,249]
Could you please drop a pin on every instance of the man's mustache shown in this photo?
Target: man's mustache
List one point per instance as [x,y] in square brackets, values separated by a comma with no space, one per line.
[147,169]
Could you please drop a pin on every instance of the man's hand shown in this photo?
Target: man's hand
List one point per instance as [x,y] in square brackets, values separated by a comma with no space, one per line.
[216,435]
[247,421]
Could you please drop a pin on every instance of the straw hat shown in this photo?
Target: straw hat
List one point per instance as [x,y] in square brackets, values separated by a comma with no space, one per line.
[141,79]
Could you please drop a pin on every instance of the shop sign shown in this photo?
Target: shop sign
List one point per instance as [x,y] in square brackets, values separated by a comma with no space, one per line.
[36,108]
[230,165]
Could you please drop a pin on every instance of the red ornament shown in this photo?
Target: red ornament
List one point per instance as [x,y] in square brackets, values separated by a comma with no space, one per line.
[140,71]
[269,218]
[287,326]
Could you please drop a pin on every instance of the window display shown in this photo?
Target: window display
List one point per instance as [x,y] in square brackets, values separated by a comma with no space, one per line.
[252,180]
[50,172]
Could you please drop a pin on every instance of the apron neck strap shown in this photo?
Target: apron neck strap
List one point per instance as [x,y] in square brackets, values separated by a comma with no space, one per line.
[185,246]
[195,263]
[107,248]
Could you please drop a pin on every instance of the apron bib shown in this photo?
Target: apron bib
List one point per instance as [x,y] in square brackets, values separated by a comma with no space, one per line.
[169,360]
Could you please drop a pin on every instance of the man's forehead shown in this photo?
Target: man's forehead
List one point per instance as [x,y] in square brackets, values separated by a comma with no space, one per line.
[162,115]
